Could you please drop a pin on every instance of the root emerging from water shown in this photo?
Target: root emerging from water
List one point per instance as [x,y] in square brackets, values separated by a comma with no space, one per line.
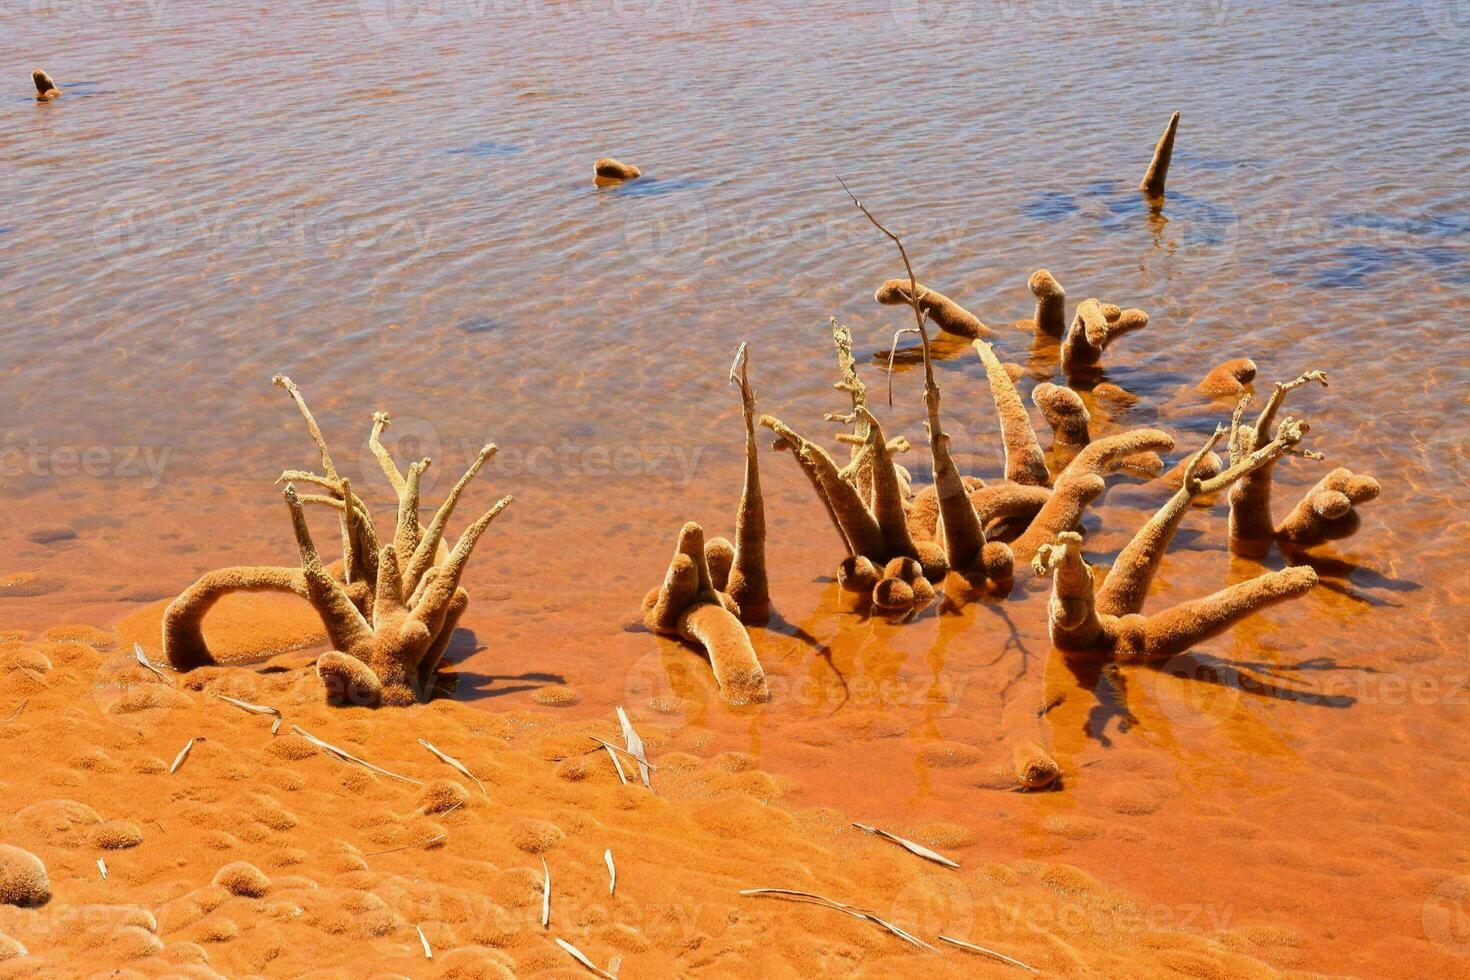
[1108,620]
[1327,513]
[688,605]
[1158,168]
[45,88]
[950,316]
[389,610]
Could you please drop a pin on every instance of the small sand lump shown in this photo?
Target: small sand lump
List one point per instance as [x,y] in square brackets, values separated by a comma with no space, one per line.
[611,169]
[442,795]
[242,878]
[117,835]
[23,880]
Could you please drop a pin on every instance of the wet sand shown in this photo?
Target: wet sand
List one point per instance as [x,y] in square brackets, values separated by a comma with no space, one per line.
[346,868]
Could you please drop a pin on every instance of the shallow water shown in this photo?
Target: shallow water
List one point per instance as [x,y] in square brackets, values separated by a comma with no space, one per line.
[398,212]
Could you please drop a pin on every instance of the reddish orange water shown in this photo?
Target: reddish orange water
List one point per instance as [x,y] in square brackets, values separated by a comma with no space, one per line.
[400,215]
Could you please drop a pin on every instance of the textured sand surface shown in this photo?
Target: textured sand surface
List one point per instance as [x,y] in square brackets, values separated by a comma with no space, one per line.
[263,855]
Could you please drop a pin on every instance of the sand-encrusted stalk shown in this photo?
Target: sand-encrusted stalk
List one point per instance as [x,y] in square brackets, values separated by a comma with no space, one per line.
[1062,511]
[1229,378]
[183,620]
[1092,332]
[1251,528]
[1328,511]
[1051,304]
[688,606]
[1025,462]
[1072,614]
[888,496]
[1167,634]
[1064,412]
[960,527]
[748,584]
[1158,167]
[1103,455]
[1127,583]
[948,315]
[45,88]
[389,610]
[858,527]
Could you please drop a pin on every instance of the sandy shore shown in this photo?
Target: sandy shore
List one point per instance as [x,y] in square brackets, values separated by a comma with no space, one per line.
[344,868]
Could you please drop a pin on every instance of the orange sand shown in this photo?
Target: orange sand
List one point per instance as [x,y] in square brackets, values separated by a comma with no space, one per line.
[342,868]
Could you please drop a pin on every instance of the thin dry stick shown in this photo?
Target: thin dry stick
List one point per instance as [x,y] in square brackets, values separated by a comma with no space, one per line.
[637,757]
[909,845]
[851,910]
[893,353]
[428,953]
[946,474]
[988,952]
[423,843]
[346,756]
[255,709]
[635,746]
[612,872]
[102,867]
[183,754]
[618,766]
[578,955]
[545,896]
[458,765]
[142,658]
[16,713]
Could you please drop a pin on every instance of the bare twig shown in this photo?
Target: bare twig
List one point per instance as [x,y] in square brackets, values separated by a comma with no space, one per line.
[910,846]
[637,757]
[635,746]
[893,353]
[851,910]
[580,957]
[346,756]
[987,952]
[255,709]
[612,872]
[458,765]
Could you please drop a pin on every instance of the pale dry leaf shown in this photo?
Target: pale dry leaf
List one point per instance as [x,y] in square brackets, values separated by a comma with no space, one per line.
[635,746]
[988,952]
[909,846]
[580,957]
[346,756]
